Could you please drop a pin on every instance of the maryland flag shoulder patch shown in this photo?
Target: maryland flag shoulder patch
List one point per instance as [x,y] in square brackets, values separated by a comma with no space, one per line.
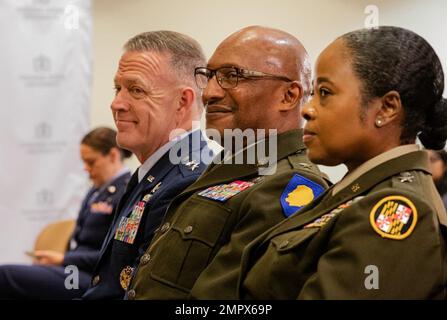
[394,217]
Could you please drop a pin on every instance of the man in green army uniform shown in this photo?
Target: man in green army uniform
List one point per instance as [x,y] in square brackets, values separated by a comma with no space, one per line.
[256,80]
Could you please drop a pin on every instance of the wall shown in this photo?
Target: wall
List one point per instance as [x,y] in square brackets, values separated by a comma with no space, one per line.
[316,23]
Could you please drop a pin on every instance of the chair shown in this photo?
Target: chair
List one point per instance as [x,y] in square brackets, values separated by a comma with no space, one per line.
[55,236]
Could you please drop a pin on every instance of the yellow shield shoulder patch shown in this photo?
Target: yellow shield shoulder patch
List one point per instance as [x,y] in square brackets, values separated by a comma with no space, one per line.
[394,217]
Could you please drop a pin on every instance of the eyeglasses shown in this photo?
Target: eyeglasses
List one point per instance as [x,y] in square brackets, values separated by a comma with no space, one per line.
[228,77]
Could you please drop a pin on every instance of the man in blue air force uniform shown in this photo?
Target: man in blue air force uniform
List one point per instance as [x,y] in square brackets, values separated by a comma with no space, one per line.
[156,99]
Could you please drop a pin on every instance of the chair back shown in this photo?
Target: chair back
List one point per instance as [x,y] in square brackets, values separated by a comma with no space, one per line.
[55,236]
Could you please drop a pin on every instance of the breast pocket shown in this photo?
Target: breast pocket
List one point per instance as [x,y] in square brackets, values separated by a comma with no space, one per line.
[186,249]
[121,247]
[293,255]
[281,270]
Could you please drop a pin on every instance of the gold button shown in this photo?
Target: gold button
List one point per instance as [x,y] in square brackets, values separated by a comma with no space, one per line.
[95,280]
[131,294]
[284,244]
[145,258]
[188,229]
[165,227]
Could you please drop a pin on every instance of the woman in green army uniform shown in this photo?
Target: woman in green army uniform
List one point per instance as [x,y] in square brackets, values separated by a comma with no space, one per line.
[380,232]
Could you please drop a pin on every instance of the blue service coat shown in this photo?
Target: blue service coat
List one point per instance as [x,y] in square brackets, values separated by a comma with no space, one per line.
[140,213]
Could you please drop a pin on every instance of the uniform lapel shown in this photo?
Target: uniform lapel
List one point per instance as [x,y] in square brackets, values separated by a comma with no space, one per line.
[133,182]
[153,177]
[164,165]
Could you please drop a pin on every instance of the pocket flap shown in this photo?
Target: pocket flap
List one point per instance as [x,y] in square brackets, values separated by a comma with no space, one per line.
[290,240]
[202,220]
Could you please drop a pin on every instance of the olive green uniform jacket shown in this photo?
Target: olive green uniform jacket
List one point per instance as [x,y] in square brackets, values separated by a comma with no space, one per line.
[378,234]
[197,251]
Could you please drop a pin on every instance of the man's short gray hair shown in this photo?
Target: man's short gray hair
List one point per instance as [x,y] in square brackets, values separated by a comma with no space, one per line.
[186,53]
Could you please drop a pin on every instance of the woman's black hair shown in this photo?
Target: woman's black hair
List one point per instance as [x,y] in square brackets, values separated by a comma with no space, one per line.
[392,58]
[103,139]
[441,184]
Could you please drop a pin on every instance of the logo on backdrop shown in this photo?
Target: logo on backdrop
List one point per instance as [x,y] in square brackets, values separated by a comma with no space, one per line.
[43,130]
[42,63]
[45,197]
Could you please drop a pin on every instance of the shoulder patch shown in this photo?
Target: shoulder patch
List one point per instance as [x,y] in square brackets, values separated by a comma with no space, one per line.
[189,166]
[394,217]
[299,192]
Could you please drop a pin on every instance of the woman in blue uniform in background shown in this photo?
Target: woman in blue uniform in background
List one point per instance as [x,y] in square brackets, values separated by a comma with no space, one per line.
[103,161]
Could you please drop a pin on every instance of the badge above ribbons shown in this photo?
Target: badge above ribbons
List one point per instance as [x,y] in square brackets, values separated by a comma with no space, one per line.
[299,192]
[393,217]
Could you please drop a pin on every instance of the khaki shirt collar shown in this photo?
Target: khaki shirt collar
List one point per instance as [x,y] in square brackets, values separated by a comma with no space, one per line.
[372,163]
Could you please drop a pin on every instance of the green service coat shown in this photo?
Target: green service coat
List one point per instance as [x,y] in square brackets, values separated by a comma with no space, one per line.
[375,235]
[196,252]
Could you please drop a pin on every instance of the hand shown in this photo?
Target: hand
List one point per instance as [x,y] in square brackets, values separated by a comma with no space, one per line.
[48,257]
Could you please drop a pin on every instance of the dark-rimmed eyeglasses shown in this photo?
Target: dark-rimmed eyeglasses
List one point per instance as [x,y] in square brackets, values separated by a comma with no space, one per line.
[229,77]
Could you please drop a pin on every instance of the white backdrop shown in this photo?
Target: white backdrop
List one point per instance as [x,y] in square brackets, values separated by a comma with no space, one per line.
[315,23]
[45,80]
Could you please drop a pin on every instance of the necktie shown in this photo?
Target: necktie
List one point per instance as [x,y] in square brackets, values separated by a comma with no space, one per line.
[133,182]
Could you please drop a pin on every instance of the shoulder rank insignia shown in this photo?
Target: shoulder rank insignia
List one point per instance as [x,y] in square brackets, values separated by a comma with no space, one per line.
[393,217]
[193,164]
[223,192]
[406,177]
[299,192]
